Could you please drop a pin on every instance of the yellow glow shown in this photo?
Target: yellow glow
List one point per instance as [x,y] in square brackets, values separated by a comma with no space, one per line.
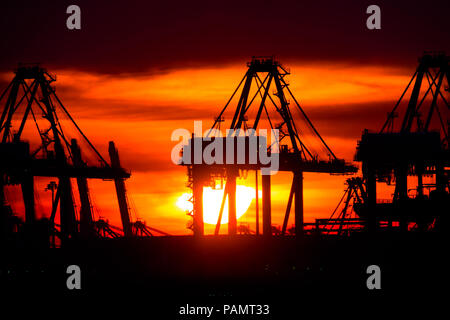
[212,199]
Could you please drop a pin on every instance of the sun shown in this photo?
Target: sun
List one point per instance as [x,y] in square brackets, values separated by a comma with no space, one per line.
[212,198]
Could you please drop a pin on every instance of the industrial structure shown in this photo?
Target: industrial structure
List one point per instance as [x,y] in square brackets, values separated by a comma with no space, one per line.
[31,99]
[417,152]
[329,255]
[295,156]
[403,154]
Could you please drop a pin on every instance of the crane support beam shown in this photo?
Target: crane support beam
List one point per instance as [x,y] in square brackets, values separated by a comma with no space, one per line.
[433,103]
[266,206]
[197,186]
[120,191]
[231,183]
[298,199]
[288,209]
[86,226]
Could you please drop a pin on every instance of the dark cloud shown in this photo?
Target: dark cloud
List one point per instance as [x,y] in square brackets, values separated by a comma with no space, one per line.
[135,111]
[135,36]
[140,162]
[348,121]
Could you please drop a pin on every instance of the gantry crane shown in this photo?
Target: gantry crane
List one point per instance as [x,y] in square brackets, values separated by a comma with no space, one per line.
[263,75]
[30,98]
[418,147]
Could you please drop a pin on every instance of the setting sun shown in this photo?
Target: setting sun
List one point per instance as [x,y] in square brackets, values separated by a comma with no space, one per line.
[212,198]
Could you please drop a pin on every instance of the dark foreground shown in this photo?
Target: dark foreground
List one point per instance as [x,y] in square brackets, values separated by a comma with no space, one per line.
[323,276]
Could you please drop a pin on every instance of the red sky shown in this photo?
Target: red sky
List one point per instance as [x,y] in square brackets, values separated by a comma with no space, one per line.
[138,70]
[139,114]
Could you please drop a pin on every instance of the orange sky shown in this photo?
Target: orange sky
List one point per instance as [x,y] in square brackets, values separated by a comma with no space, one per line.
[140,113]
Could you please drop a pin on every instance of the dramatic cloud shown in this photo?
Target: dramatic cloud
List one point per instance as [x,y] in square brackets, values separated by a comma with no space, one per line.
[135,36]
[137,70]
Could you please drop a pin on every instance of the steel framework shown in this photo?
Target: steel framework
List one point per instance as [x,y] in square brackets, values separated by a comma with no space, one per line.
[31,96]
[418,147]
[295,156]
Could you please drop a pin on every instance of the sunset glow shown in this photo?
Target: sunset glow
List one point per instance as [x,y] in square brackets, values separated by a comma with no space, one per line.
[140,113]
[212,199]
